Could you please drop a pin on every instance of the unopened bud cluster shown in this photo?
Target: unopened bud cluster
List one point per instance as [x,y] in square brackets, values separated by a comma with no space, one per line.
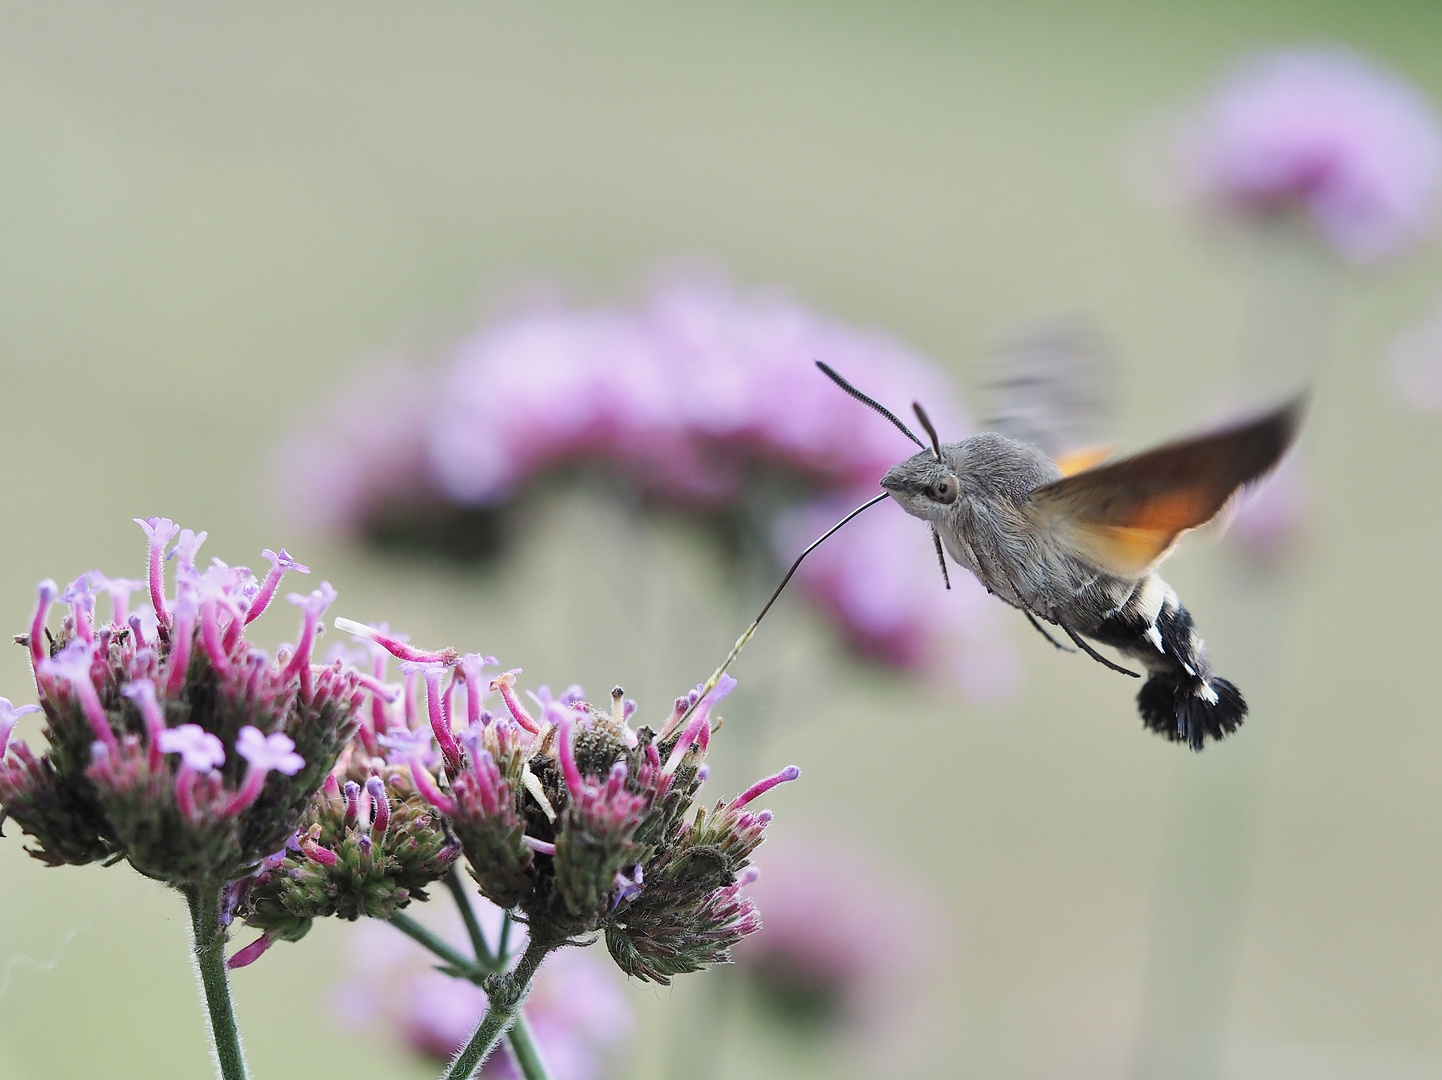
[576,820]
[363,849]
[173,742]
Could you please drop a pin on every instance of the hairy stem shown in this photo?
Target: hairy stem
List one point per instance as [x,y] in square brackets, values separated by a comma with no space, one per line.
[208,948]
[523,1047]
[505,992]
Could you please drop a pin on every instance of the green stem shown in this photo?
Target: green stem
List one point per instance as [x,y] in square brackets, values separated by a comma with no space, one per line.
[208,948]
[484,956]
[504,944]
[423,937]
[523,1047]
[505,992]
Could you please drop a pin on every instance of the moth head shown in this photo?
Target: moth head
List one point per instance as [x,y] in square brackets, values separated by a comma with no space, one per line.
[926,486]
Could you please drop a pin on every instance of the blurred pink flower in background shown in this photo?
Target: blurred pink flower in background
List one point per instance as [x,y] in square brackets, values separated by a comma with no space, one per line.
[884,585]
[1324,132]
[1272,518]
[577,1010]
[701,396]
[844,942]
[362,447]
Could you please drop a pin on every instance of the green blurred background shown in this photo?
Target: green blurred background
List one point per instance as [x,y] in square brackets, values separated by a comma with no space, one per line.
[209,214]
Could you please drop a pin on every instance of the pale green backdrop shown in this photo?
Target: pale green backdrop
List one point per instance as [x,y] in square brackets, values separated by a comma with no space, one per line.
[209,213]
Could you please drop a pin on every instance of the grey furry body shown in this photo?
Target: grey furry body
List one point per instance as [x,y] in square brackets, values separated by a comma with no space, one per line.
[992,530]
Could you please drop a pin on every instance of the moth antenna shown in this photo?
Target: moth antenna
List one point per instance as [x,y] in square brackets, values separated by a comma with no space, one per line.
[930,430]
[869,403]
[940,556]
[744,638]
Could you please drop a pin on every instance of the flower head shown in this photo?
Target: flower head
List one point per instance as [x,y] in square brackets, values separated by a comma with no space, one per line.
[587,825]
[1326,133]
[368,846]
[172,740]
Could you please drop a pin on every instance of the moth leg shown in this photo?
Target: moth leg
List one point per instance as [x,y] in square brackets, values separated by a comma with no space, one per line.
[941,556]
[1042,630]
[1022,602]
[1098,657]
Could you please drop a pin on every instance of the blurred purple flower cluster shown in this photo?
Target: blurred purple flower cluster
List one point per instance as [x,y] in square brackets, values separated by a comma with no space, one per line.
[845,942]
[698,398]
[577,1010]
[1325,133]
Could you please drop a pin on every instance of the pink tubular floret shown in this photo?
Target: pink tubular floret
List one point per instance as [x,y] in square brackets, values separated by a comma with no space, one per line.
[567,754]
[426,787]
[279,564]
[313,851]
[82,606]
[450,752]
[73,664]
[9,714]
[689,736]
[211,638]
[48,591]
[377,791]
[183,630]
[396,647]
[142,692]
[313,605]
[264,754]
[471,665]
[761,787]
[250,953]
[506,684]
[159,531]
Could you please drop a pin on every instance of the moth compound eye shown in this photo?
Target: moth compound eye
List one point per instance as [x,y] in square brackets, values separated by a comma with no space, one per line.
[945,490]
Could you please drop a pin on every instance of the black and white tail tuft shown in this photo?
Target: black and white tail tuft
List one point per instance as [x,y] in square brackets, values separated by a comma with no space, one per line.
[1183,710]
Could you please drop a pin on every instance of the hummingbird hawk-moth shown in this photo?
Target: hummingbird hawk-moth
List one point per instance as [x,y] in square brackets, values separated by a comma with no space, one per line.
[1080,551]
[1078,547]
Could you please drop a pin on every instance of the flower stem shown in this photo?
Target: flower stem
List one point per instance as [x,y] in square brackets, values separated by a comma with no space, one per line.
[524,1050]
[427,940]
[505,992]
[484,956]
[208,947]
[503,946]
[523,1047]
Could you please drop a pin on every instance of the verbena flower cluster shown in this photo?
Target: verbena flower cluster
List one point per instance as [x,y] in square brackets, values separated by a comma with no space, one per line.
[562,811]
[702,398]
[173,742]
[1326,134]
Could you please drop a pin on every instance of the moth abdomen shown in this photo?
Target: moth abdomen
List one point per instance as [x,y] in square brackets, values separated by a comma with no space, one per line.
[1182,699]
